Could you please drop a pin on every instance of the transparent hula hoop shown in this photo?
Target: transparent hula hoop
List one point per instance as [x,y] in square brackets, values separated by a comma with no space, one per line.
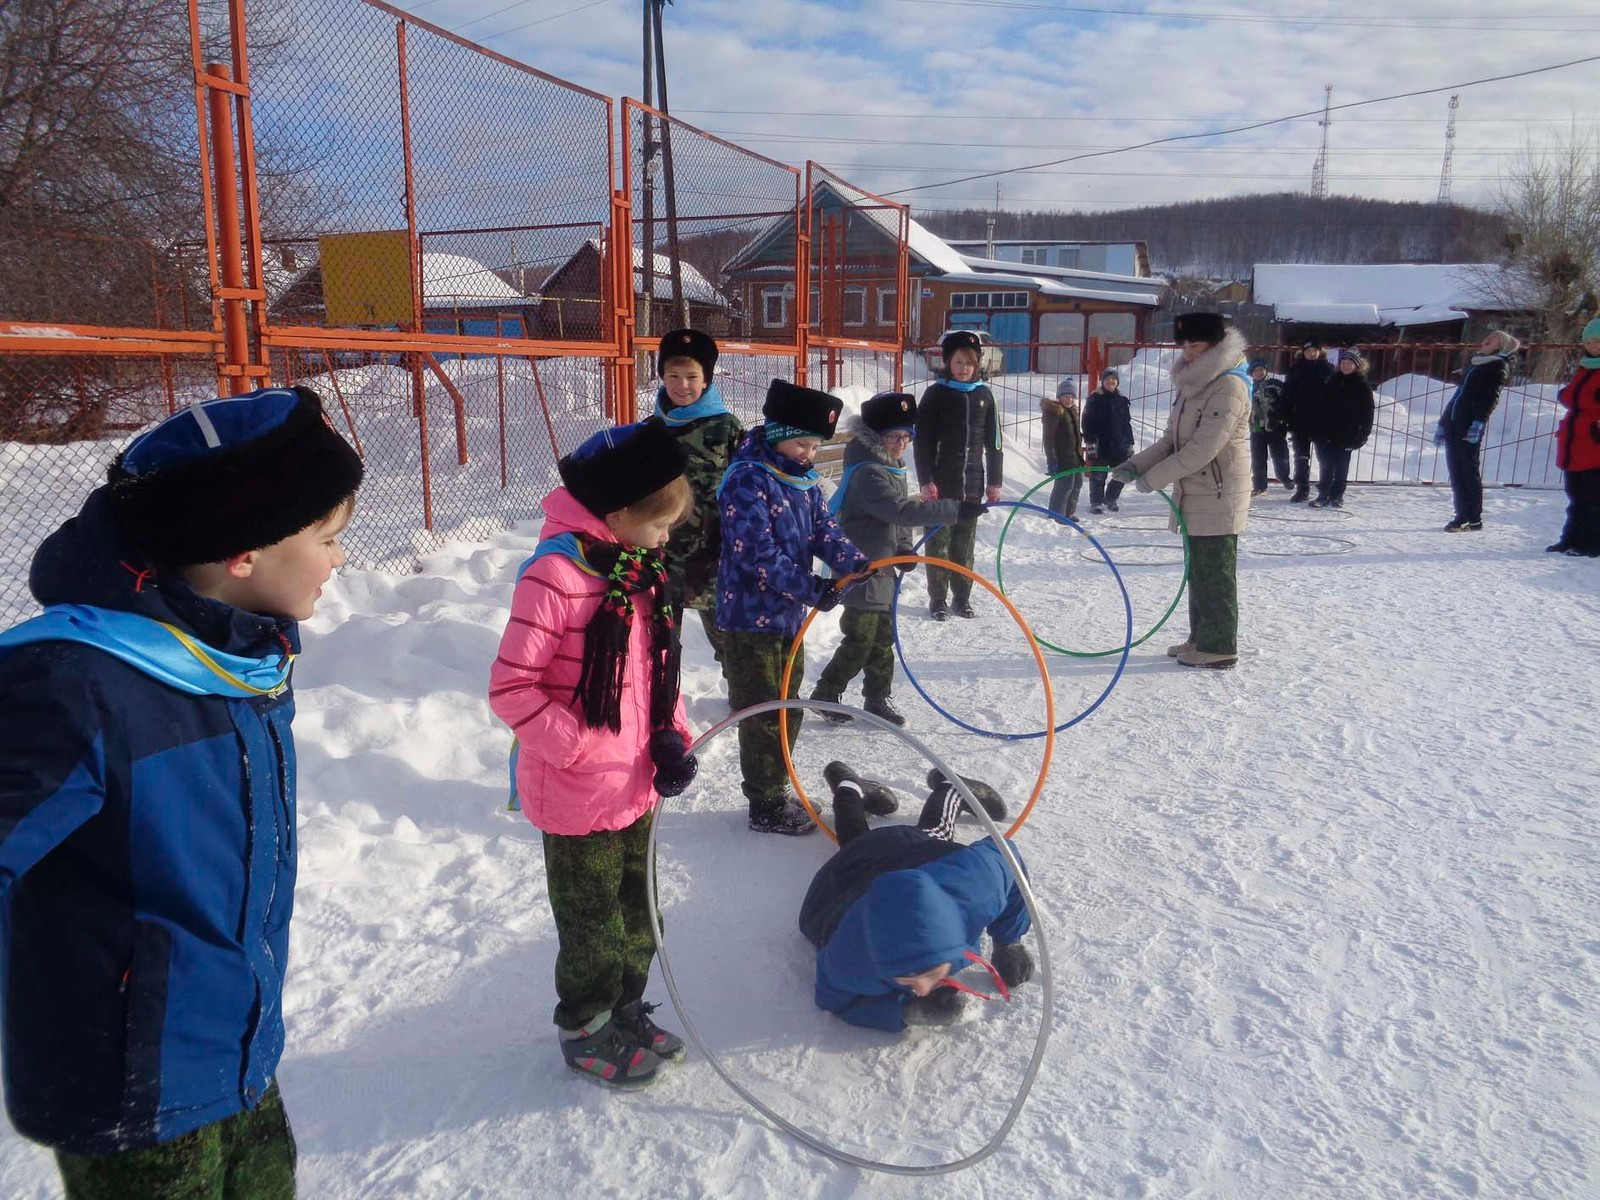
[1341,546]
[1183,534]
[1122,663]
[1038,658]
[1046,972]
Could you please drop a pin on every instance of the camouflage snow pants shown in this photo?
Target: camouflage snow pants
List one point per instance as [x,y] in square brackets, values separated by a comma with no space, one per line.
[868,645]
[248,1156]
[1214,593]
[753,663]
[601,905]
[954,543]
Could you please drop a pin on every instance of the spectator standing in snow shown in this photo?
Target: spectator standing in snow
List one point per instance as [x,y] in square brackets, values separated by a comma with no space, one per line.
[1268,433]
[690,405]
[1578,451]
[147,802]
[1107,439]
[900,909]
[1465,419]
[1063,446]
[1343,427]
[774,522]
[876,512]
[587,679]
[958,457]
[1305,390]
[1205,455]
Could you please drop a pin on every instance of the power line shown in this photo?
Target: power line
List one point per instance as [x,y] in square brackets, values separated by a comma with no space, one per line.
[1182,137]
[552,17]
[1429,21]
[876,116]
[756,135]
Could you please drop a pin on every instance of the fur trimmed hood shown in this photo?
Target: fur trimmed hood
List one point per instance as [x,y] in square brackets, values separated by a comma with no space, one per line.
[1224,356]
[869,439]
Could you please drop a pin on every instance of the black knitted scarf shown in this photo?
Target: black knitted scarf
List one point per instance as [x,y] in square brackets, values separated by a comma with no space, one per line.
[627,572]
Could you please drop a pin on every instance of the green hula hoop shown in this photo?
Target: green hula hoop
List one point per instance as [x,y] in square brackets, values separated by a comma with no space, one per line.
[1000,576]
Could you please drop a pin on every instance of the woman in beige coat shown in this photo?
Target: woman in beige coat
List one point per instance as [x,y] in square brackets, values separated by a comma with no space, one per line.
[1205,455]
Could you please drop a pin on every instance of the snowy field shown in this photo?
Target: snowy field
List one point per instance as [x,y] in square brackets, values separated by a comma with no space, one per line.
[1323,926]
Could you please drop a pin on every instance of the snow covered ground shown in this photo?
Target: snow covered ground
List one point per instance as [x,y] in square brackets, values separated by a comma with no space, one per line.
[1323,926]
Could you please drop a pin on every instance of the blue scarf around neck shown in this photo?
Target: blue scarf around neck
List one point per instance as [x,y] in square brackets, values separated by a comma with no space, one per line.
[710,404]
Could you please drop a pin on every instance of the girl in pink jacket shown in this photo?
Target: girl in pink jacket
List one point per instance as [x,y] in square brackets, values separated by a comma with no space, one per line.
[587,679]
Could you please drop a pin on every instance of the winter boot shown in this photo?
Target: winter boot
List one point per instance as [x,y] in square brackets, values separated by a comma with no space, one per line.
[1319,502]
[876,797]
[781,815]
[634,1021]
[1097,509]
[1300,495]
[879,706]
[1460,526]
[1203,658]
[832,718]
[963,608]
[1180,648]
[987,796]
[1560,547]
[937,611]
[602,1049]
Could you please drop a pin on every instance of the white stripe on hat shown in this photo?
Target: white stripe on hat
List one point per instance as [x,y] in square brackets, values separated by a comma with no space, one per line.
[207,429]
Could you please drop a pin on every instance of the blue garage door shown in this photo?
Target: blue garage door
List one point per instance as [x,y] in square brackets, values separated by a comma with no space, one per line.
[1010,331]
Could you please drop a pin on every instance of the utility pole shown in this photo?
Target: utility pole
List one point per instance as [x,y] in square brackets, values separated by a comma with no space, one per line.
[1319,171]
[680,306]
[647,253]
[1449,151]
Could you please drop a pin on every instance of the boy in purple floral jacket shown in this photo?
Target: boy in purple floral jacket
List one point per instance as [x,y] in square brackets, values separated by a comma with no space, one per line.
[774,521]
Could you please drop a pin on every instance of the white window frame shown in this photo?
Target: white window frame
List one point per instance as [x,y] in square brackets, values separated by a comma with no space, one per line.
[858,292]
[978,301]
[781,295]
[888,305]
[1033,255]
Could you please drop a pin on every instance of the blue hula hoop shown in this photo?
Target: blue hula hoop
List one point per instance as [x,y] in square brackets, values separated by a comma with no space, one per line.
[1127,643]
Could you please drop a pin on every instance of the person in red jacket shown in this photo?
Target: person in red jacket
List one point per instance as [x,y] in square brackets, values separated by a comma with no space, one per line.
[1578,451]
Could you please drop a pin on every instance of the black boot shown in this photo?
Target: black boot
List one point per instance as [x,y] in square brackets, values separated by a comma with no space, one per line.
[876,797]
[987,796]
[879,706]
[781,815]
[1300,494]
[937,610]
[832,718]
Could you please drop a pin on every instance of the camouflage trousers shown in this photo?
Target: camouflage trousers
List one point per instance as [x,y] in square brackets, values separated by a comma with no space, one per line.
[601,905]
[753,663]
[248,1156]
[954,543]
[1214,593]
[868,645]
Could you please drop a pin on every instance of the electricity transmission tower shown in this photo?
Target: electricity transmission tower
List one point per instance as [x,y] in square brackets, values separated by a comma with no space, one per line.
[1449,151]
[1319,171]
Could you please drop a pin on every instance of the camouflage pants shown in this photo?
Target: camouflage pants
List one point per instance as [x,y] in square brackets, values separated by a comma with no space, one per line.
[248,1156]
[1214,593]
[753,663]
[955,543]
[868,644]
[601,905]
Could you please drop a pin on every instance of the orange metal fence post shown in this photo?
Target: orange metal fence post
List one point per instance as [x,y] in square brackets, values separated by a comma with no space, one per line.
[225,183]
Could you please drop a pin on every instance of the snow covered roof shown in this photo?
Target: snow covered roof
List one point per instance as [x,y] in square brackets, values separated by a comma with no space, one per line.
[455,281]
[1070,289]
[929,247]
[695,285]
[1375,293]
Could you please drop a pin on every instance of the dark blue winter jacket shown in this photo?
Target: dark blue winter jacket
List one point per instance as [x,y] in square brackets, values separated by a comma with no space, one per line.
[896,902]
[774,522]
[147,857]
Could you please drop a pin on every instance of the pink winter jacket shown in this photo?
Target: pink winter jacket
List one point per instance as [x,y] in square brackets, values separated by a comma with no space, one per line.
[570,779]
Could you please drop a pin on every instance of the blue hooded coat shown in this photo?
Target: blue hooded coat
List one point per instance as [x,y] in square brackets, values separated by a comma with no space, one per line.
[896,902]
[147,850]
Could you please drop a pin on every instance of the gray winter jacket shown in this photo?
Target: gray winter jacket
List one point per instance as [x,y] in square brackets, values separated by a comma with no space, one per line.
[877,512]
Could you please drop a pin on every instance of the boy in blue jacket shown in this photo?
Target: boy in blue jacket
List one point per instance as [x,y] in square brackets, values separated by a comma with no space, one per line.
[147,811]
[900,909]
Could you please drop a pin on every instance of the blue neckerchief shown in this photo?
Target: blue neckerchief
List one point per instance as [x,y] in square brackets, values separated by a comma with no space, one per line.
[710,404]
[971,386]
[566,544]
[802,482]
[836,501]
[1590,360]
[164,652]
[1242,372]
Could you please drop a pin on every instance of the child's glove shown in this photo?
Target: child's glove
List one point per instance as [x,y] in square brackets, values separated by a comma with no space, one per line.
[1013,963]
[1440,435]
[1126,472]
[971,510]
[902,551]
[942,1006]
[1091,447]
[930,491]
[675,766]
[829,600]
[1473,434]
[1050,467]
[1143,484]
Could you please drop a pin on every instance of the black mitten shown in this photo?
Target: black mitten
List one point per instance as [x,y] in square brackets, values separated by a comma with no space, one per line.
[942,1006]
[971,510]
[675,766]
[902,551]
[829,600]
[1013,962]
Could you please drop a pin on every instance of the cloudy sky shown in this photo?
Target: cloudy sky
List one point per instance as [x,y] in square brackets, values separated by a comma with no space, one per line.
[903,94]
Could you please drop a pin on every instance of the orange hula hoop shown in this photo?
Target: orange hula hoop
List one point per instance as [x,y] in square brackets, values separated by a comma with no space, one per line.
[1033,645]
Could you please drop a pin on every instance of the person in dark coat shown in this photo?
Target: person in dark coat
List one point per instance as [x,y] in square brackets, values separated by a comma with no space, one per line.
[1464,421]
[1107,440]
[1345,425]
[958,457]
[1578,452]
[1305,390]
[876,512]
[1268,433]
[147,801]
[900,909]
[1063,446]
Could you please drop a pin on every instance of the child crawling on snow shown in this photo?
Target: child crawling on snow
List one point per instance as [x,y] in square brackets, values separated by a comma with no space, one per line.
[899,910]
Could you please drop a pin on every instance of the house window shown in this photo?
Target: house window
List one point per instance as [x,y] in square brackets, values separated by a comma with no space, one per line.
[887,305]
[977,300]
[1033,254]
[775,306]
[855,305]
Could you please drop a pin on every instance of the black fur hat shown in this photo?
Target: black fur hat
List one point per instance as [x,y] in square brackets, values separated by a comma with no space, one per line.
[231,475]
[802,408]
[889,410]
[1198,327]
[960,339]
[622,465]
[688,343]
